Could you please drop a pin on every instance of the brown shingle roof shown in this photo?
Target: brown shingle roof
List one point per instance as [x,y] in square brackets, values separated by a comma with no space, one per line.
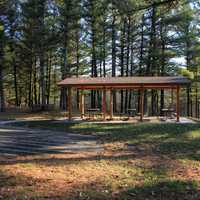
[134,80]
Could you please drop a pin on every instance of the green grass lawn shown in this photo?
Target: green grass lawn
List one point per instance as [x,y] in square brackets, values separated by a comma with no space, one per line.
[140,162]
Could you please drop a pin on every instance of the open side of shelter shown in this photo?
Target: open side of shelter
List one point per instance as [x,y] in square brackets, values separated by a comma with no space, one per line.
[141,83]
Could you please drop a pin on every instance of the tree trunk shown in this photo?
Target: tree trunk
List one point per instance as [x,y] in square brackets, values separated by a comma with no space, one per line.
[127,60]
[30,100]
[63,93]
[131,71]
[35,82]
[104,49]
[188,101]
[65,70]
[114,59]
[152,57]
[188,62]
[122,41]
[77,65]
[163,63]
[42,79]
[15,83]
[41,13]
[94,61]
[2,98]
[196,102]
[49,78]
[141,59]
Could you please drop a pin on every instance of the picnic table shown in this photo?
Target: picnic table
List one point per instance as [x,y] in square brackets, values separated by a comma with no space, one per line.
[93,111]
[168,112]
[131,112]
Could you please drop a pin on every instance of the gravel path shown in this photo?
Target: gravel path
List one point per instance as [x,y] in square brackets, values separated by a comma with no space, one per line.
[23,141]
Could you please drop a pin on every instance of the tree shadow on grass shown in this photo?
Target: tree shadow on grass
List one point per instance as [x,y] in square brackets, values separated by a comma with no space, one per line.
[16,186]
[163,139]
[166,139]
[113,132]
[185,149]
[60,161]
[24,187]
[167,190]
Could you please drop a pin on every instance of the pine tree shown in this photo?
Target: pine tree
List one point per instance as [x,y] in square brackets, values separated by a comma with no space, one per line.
[2,98]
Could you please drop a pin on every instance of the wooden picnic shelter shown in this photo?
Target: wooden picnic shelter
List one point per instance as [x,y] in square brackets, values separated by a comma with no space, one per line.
[140,83]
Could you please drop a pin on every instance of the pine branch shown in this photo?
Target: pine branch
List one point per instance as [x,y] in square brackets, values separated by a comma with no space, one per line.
[154,4]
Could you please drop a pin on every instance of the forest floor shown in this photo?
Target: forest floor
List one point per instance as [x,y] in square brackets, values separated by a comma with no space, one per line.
[140,161]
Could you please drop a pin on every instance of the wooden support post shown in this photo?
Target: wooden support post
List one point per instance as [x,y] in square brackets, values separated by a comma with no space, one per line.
[172,96]
[69,103]
[104,104]
[178,103]
[141,104]
[111,103]
[82,104]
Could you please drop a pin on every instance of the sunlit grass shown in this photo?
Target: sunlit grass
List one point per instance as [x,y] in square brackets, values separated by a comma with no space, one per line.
[140,161]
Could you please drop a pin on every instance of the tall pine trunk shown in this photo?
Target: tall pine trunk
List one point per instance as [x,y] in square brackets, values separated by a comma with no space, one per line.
[35,80]
[42,80]
[141,58]
[2,98]
[63,94]
[42,52]
[127,59]
[77,62]
[65,69]
[30,100]
[196,102]
[94,58]
[49,78]
[162,71]
[131,70]
[154,104]
[15,83]
[150,71]
[104,48]
[187,54]
[114,57]
[122,41]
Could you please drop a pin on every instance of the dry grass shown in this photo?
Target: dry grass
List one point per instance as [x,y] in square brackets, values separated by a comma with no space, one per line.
[66,176]
[111,175]
[140,162]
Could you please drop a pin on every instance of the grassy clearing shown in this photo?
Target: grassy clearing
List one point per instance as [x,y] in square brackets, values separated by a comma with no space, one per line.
[141,161]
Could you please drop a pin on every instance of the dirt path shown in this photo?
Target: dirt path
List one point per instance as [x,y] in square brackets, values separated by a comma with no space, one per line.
[23,141]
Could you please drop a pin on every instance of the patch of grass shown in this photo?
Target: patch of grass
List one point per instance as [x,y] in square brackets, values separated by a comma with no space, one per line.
[141,161]
[165,190]
[174,140]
